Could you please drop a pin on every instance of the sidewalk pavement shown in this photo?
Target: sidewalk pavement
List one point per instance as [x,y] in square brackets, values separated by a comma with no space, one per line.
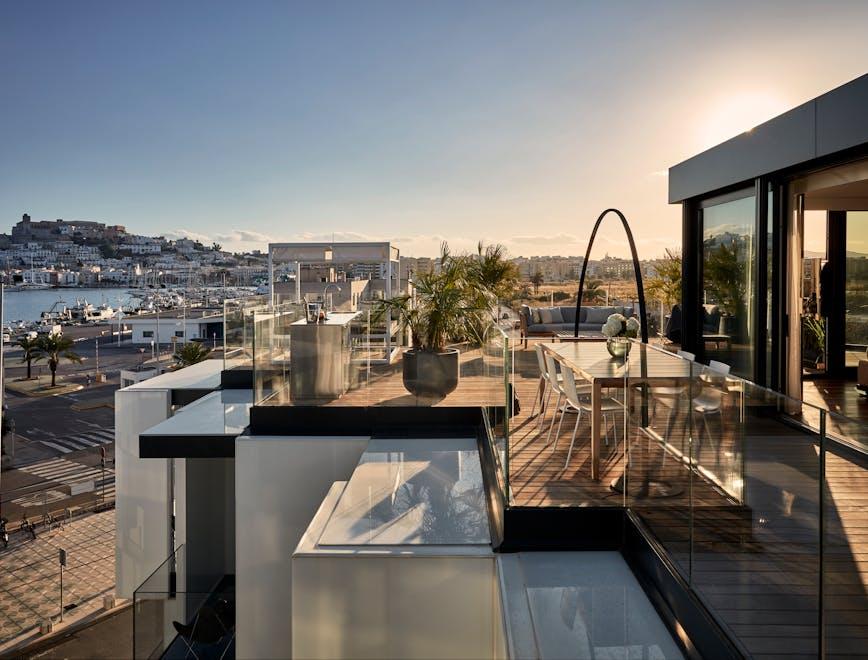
[30,574]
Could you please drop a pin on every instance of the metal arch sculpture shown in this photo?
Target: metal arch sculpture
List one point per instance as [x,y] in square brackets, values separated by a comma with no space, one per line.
[643,318]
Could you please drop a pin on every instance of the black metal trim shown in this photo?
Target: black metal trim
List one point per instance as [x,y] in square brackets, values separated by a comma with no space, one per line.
[236,379]
[184,397]
[690,622]
[187,446]
[637,270]
[562,528]
[375,421]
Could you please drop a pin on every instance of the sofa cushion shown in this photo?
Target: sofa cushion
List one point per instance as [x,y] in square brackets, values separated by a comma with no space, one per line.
[599,315]
[557,316]
[569,314]
[590,327]
[534,316]
[583,315]
[545,315]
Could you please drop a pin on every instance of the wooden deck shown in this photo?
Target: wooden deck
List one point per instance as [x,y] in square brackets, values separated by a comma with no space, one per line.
[754,501]
[748,503]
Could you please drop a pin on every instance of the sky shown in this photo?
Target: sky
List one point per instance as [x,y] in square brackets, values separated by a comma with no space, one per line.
[416,122]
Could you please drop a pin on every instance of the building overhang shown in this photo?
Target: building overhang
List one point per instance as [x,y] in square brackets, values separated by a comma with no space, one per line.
[829,124]
[206,428]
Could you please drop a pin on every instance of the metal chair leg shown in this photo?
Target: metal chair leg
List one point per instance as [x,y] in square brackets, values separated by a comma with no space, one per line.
[573,441]
[552,425]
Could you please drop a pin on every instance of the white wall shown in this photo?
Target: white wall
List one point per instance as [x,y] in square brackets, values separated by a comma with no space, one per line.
[142,509]
[279,485]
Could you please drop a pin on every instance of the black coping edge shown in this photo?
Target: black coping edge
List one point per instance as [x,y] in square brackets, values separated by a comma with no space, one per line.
[183,397]
[236,379]
[691,624]
[562,528]
[375,421]
[187,446]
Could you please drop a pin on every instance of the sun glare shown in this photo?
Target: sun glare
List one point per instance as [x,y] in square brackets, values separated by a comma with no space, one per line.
[738,113]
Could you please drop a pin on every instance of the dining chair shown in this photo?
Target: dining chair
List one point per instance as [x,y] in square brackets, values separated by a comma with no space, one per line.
[687,355]
[555,379]
[574,394]
[543,379]
[710,402]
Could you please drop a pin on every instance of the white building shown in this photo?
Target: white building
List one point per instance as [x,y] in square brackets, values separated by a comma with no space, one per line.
[175,329]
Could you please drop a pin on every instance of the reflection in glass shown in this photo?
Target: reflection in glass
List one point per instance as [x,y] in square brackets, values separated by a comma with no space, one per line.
[728,253]
[856,290]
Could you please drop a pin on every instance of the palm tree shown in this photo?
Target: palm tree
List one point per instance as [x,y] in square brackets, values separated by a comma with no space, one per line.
[28,345]
[536,279]
[593,291]
[494,272]
[54,348]
[447,305]
[191,352]
[665,286]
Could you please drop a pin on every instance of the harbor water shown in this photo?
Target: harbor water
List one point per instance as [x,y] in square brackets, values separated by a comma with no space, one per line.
[28,305]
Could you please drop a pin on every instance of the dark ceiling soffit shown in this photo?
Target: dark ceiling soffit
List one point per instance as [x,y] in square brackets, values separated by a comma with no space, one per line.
[831,123]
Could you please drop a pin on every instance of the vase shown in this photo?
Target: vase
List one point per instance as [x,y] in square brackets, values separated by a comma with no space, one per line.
[618,347]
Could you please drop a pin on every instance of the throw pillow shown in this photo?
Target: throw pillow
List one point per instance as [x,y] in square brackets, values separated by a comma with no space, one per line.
[557,316]
[598,315]
[545,314]
[535,316]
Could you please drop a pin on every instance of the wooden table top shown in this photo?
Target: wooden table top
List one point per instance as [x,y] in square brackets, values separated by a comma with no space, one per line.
[593,362]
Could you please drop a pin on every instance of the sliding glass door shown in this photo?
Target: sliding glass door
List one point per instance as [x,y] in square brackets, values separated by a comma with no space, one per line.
[729,286]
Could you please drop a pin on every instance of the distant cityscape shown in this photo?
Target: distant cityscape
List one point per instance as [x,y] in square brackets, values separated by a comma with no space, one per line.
[84,253]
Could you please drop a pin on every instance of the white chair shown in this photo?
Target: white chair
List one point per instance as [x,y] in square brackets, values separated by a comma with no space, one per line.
[573,394]
[555,379]
[687,355]
[710,400]
[543,378]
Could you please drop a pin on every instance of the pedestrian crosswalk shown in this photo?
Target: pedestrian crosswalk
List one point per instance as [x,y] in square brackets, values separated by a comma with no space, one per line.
[80,441]
[80,478]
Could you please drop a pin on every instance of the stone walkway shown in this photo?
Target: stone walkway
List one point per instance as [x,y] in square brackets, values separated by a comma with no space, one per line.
[30,571]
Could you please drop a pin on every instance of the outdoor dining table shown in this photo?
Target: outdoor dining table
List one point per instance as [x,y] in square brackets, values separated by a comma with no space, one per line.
[643,365]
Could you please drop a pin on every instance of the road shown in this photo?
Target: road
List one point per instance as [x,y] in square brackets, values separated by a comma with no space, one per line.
[58,439]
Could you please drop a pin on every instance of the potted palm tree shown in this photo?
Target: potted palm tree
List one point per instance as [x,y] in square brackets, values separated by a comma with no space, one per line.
[446,307]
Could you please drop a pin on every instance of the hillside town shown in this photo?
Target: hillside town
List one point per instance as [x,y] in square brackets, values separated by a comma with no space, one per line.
[40,254]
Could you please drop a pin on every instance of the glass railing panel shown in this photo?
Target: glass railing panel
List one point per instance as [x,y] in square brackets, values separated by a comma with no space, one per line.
[238,330]
[756,513]
[660,467]
[176,606]
[351,359]
[497,378]
[272,352]
[844,496]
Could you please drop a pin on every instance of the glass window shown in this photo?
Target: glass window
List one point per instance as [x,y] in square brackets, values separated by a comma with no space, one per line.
[856,289]
[729,289]
[179,333]
[147,333]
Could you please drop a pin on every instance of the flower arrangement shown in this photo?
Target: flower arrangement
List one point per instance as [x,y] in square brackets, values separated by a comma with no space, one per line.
[617,325]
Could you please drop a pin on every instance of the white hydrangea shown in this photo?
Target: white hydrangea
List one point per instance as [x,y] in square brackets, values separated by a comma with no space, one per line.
[632,327]
[612,327]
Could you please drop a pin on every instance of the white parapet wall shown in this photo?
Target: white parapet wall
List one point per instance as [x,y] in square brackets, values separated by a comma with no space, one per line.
[143,490]
[280,483]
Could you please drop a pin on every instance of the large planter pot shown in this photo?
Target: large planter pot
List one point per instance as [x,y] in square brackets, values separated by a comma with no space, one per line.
[427,373]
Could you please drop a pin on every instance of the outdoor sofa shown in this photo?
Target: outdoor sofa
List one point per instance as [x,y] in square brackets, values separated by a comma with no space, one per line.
[546,321]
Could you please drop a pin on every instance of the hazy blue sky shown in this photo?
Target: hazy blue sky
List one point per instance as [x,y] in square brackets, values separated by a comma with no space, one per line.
[411,121]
